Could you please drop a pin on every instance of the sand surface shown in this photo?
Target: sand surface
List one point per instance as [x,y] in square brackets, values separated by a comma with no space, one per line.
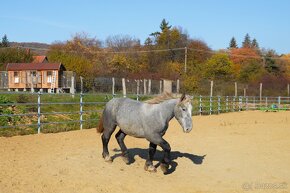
[233,152]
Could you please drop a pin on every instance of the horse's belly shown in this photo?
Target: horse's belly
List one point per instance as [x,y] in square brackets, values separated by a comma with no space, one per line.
[133,130]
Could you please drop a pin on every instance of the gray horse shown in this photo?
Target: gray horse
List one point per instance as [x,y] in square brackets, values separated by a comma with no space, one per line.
[147,120]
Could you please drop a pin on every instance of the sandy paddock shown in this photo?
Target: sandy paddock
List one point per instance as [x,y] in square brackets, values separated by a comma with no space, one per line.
[234,152]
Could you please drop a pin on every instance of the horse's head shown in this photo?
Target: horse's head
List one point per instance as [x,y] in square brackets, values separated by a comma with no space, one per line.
[182,113]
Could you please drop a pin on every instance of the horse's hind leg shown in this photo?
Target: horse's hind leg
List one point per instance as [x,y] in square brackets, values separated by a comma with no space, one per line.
[105,139]
[120,139]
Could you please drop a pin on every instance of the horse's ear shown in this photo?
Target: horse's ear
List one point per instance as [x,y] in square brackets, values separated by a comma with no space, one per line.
[182,97]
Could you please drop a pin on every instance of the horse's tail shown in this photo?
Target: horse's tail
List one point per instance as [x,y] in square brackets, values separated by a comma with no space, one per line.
[100,129]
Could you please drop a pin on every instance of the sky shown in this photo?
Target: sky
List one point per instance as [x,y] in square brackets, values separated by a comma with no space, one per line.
[213,21]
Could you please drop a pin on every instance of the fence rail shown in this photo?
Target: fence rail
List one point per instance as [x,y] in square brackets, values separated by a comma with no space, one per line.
[85,108]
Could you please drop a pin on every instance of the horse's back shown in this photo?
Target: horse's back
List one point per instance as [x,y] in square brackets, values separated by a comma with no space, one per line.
[126,113]
[119,106]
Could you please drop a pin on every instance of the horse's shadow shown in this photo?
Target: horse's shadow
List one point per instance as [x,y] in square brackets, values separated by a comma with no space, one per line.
[143,153]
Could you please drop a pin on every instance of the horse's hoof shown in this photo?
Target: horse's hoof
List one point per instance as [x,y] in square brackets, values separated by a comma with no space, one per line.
[164,167]
[126,159]
[108,159]
[150,168]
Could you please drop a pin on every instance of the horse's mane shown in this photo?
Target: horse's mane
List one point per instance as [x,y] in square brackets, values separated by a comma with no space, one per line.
[160,98]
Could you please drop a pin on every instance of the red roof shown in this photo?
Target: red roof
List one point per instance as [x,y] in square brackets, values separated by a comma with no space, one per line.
[33,66]
[39,59]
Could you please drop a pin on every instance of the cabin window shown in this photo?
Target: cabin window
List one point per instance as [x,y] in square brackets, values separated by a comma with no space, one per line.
[49,76]
[16,77]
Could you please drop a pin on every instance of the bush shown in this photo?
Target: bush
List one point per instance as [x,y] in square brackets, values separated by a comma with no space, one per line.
[4,99]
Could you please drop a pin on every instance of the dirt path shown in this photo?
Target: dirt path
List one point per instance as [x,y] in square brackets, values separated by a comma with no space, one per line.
[245,151]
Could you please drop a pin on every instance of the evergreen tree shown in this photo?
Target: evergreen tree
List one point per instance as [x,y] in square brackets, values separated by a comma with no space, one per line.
[247,41]
[5,42]
[270,64]
[233,43]
[148,42]
[255,44]
[164,25]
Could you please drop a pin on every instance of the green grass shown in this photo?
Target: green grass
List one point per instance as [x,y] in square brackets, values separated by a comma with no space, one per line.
[90,118]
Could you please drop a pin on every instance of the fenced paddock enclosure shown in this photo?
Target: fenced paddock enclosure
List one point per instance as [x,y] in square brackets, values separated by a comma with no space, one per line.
[238,152]
[242,146]
[28,113]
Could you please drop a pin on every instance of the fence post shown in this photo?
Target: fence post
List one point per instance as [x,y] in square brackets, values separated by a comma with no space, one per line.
[210,105]
[149,86]
[247,108]
[288,90]
[211,88]
[124,87]
[219,104]
[81,111]
[236,89]
[200,105]
[138,89]
[240,103]
[192,103]
[261,90]
[234,103]
[266,102]
[82,84]
[227,103]
[177,86]
[254,101]
[160,86]
[145,90]
[279,102]
[38,113]
[113,87]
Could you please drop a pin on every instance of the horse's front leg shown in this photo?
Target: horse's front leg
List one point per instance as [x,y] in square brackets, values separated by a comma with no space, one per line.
[166,159]
[149,162]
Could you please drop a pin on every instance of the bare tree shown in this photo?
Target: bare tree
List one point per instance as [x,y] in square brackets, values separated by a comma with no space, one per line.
[122,42]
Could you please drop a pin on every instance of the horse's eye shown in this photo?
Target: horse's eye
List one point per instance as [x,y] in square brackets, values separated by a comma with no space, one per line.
[184,109]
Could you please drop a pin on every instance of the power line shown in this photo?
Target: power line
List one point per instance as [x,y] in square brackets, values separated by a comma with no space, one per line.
[104,52]
[154,50]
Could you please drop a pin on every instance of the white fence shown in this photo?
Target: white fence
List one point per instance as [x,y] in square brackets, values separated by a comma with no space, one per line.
[80,109]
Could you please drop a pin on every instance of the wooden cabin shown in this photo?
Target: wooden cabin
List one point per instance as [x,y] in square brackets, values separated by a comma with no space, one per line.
[35,76]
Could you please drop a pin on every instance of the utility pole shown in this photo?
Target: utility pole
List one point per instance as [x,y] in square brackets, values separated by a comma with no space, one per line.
[185,60]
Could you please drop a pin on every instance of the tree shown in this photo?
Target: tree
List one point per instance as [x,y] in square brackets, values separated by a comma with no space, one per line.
[5,42]
[13,55]
[233,43]
[255,44]
[285,60]
[148,42]
[122,42]
[198,53]
[218,67]
[247,41]
[243,57]
[164,25]
[80,54]
[251,71]
[168,38]
[271,64]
